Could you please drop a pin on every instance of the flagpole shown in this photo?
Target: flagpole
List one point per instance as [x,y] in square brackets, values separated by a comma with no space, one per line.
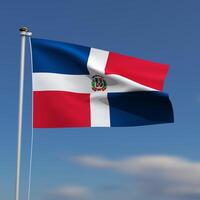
[24,32]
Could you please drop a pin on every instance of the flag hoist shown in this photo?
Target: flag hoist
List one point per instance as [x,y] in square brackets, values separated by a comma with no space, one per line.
[24,32]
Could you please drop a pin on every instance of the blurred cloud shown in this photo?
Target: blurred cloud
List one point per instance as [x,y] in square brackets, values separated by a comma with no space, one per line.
[198,98]
[157,176]
[70,192]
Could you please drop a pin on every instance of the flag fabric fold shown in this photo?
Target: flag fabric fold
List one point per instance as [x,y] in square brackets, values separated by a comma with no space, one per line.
[77,86]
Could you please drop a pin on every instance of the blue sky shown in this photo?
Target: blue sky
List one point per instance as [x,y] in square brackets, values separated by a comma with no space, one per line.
[160,161]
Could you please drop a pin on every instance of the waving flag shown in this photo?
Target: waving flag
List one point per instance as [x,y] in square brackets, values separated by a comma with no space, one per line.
[77,86]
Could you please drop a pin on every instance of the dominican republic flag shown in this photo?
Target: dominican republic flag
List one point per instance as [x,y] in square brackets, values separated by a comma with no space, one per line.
[78,86]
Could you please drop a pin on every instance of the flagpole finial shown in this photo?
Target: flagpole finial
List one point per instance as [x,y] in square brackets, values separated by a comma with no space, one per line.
[22,29]
[25,31]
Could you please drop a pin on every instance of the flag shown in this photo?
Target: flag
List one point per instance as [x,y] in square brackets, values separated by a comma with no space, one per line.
[78,86]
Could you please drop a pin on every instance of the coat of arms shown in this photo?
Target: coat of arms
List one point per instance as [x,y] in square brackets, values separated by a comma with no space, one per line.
[98,83]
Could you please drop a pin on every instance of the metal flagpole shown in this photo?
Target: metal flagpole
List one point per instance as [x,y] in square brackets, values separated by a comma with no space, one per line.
[23,32]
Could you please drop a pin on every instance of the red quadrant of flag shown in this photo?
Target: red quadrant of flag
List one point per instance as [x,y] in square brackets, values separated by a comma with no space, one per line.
[61,109]
[148,73]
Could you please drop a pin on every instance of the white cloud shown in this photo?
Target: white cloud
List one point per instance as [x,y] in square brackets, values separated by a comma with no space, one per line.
[93,161]
[71,192]
[163,175]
